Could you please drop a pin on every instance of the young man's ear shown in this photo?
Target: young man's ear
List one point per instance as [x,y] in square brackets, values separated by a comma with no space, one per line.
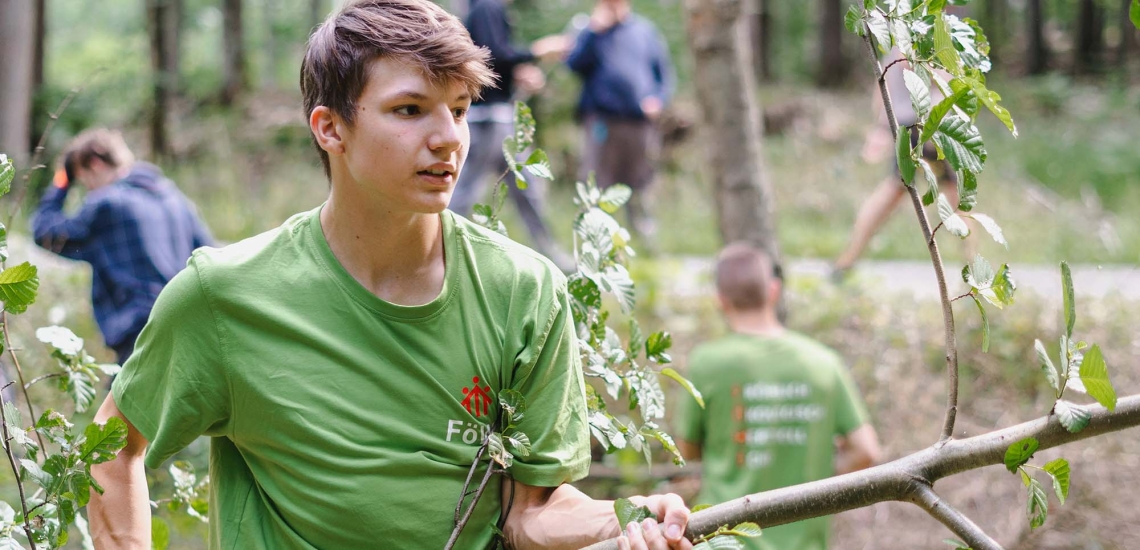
[325,125]
[774,291]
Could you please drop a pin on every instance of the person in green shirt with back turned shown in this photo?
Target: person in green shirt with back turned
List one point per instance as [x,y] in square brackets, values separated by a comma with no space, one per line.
[347,365]
[780,408]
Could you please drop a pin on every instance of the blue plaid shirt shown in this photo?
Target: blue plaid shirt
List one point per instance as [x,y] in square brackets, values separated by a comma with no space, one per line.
[136,233]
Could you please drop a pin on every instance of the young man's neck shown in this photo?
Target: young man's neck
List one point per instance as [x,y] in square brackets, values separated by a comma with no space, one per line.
[760,322]
[397,256]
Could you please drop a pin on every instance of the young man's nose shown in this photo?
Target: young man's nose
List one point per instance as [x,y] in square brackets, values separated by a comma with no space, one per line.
[448,133]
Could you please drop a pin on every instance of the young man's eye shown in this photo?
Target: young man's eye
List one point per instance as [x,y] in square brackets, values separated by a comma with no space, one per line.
[460,112]
[407,110]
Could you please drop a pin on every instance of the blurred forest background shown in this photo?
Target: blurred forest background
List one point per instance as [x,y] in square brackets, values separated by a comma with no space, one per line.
[208,90]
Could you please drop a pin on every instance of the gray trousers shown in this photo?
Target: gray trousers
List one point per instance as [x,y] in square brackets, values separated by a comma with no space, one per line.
[623,151]
[484,162]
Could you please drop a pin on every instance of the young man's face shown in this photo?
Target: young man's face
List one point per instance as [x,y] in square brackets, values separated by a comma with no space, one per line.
[409,139]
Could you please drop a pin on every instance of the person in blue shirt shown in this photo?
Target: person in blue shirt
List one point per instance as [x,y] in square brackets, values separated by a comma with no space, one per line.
[135,228]
[491,120]
[627,80]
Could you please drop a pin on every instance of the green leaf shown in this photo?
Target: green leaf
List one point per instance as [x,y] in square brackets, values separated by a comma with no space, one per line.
[931,181]
[614,197]
[513,403]
[935,6]
[1047,366]
[1059,470]
[616,280]
[725,542]
[539,165]
[102,442]
[746,529]
[919,93]
[853,19]
[990,99]
[80,387]
[585,290]
[944,47]
[1073,417]
[968,191]
[869,4]
[34,472]
[18,286]
[7,174]
[905,156]
[3,243]
[961,143]
[900,33]
[1094,375]
[967,102]
[1070,301]
[498,451]
[880,30]
[1038,507]
[159,533]
[951,221]
[700,507]
[628,512]
[524,127]
[985,324]
[657,345]
[1134,13]
[519,442]
[1003,288]
[685,383]
[957,544]
[937,113]
[991,227]
[1019,453]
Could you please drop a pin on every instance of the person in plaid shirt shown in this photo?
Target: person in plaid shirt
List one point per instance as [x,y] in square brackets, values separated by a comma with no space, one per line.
[135,228]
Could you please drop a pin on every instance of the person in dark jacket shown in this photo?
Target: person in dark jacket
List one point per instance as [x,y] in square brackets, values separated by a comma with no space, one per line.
[135,228]
[491,120]
[627,81]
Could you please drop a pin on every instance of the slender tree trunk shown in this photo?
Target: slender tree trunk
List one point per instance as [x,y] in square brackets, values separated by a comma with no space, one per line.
[1090,37]
[996,15]
[1038,51]
[17,41]
[233,52]
[831,66]
[269,66]
[171,53]
[760,28]
[1128,37]
[41,36]
[160,104]
[726,92]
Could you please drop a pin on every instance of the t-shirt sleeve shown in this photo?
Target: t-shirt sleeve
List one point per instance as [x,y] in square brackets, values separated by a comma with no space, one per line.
[549,377]
[174,388]
[688,420]
[850,413]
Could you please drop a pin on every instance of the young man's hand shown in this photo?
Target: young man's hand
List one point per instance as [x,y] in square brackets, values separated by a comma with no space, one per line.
[551,48]
[651,535]
[529,78]
[651,107]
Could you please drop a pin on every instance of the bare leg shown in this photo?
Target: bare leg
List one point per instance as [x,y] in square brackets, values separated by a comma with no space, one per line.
[874,211]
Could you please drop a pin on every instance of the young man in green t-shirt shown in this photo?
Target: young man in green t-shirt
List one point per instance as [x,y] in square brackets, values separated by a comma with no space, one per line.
[780,408]
[347,364]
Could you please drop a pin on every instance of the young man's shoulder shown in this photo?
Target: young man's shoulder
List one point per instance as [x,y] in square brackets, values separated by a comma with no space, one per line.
[500,260]
[264,254]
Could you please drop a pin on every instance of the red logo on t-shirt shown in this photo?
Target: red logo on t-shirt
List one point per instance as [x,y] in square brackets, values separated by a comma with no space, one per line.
[478,399]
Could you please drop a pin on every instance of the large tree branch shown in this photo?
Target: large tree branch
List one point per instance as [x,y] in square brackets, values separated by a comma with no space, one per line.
[900,479]
[935,257]
[925,497]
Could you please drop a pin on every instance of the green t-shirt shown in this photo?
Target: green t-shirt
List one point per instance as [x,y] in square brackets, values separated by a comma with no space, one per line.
[773,407]
[339,420]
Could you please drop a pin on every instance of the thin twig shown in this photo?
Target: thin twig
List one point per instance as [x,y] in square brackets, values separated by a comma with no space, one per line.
[935,258]
[15,469]
[470,474]
[41,378]
[956,298]
[470,509]
[934,231]
[19,374]
[888,67]
[925,497]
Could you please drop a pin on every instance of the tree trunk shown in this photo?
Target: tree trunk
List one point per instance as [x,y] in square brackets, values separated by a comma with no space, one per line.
[172,35]
[17,41]
[1038,51]
[1090,37]
[233,52]
[726,92]
[41,36]
[760,28]
[831,65]
[269,65]
[996,15]
[156,23]
[1128,37]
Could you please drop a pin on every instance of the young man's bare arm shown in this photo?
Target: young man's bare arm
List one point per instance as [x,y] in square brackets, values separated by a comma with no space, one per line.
[857,450]
[556,518]
[120,517]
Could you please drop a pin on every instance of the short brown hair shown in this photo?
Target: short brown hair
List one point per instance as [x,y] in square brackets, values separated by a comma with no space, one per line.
[743,274]
[335,68]
[97,143]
